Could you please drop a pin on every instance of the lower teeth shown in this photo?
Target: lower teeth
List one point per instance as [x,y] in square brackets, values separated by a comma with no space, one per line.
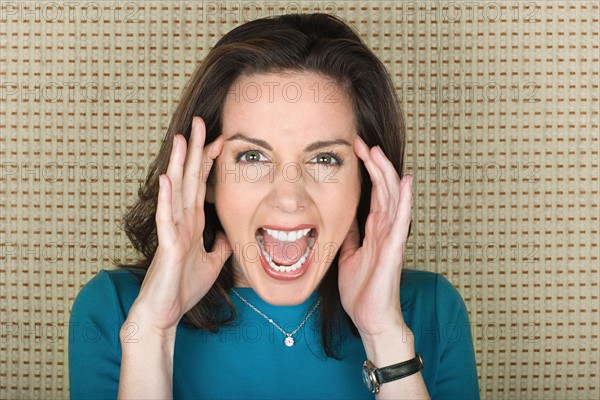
[286,268]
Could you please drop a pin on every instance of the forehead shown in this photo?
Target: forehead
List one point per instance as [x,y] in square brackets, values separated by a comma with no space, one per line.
[303,103]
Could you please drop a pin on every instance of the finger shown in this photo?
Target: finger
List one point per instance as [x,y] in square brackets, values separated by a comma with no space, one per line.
[405,206]
[403,218]
[165,225]
[379,194]
[193,163]
[210,153]
[175,172]
[391,179]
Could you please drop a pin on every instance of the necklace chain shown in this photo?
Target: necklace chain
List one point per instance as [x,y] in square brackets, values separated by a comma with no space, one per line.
[289,340]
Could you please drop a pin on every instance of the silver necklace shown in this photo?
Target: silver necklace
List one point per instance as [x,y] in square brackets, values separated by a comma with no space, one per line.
[289,340]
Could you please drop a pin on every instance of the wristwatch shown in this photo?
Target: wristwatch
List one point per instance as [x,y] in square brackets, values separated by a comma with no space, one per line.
[375,377]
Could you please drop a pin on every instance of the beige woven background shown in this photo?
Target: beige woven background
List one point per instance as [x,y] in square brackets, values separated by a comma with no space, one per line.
[501,102]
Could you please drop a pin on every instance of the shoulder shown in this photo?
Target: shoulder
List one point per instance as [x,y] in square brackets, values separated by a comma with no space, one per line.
[423,283]
[438,318]
[423,278]
[100,309]
[97,315]
[428,293]
[111,290]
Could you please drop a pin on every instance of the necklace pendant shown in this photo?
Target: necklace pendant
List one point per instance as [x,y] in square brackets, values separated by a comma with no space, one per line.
[289,341]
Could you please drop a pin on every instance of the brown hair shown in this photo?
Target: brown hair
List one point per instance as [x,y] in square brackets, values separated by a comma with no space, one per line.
[318,43]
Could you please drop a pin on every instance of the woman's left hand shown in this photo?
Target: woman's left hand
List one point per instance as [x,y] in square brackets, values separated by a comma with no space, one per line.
[369,275]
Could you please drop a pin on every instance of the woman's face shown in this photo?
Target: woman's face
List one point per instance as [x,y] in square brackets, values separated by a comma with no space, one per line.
[287,183]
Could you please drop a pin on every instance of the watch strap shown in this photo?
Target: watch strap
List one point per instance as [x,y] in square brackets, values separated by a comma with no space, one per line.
[400,370]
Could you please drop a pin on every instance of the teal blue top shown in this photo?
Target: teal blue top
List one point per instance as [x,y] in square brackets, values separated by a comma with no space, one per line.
[249,359]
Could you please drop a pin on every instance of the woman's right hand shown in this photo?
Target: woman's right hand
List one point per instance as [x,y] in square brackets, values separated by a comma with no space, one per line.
[181,272]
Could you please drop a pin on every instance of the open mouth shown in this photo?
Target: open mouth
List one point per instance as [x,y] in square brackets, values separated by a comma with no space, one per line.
[286,254]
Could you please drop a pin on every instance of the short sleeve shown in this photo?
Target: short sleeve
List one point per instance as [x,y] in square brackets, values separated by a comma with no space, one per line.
[94,345]
[457,372]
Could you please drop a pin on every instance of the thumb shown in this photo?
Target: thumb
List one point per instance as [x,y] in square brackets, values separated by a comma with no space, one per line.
[221,249]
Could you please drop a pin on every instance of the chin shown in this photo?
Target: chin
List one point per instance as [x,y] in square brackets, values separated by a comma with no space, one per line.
[285,292]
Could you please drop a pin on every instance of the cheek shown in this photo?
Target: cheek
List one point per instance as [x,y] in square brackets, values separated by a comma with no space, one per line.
[237,195]
[341,198]
[352,184]
[226,197]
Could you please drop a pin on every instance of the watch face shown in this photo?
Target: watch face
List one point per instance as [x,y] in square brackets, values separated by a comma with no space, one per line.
[366,375]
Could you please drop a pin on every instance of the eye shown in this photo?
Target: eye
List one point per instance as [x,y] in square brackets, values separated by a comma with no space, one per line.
[327,159]
[250,156]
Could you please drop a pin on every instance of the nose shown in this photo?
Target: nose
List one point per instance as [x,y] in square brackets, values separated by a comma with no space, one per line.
[289,191]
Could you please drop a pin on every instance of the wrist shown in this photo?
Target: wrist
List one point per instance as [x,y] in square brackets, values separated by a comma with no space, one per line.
[391,346]
[146,362]
[135,330]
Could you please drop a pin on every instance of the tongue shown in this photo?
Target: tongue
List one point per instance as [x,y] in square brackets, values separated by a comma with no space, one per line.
[284,253]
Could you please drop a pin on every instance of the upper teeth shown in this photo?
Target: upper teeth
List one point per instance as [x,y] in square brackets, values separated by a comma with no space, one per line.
[287,236]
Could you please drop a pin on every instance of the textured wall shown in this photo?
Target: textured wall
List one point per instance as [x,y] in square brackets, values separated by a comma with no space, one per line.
[501,102]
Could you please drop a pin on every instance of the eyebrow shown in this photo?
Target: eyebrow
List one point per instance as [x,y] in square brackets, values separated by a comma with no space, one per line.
[311,147]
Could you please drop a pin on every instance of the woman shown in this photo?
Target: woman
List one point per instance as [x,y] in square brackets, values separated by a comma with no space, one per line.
[284,160]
